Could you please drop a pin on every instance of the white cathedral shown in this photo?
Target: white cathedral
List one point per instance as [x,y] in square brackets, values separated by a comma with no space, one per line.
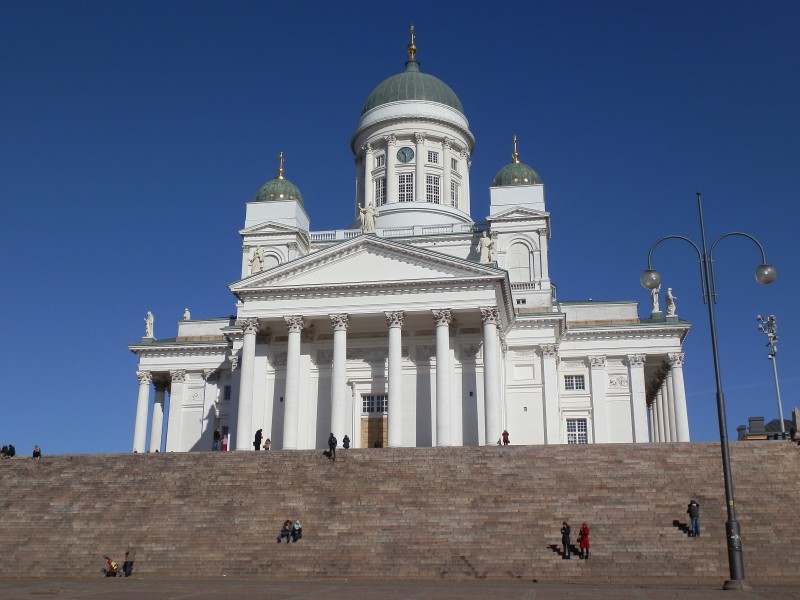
[418,326]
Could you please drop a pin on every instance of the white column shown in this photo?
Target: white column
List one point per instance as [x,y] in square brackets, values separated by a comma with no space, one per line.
[679,396]
[493,425]
[552,419]
[369,185]
[339,426]
[395,408]
[597,372]
[663,428]
[419,167]
[175,411]
[465,181]
[291,410]
[158,417]
[638,397]
[670,402]
[142,402]
[543,255]
[442,318]
[651,414]
[446,179]
[391,158]
[244,424]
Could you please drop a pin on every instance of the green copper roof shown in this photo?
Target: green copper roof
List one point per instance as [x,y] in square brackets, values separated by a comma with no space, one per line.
[278,189]
[516,173]
[412,85]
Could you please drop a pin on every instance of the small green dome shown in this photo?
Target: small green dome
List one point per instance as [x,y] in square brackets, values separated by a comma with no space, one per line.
[279,189]
[412,85]
[516,173]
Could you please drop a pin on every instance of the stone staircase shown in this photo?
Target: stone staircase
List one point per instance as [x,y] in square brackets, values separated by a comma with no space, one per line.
[406,513]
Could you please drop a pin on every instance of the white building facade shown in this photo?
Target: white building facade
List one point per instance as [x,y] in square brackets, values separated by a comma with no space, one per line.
[418,327]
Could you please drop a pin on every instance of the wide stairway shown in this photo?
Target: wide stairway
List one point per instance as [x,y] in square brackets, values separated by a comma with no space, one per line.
[406,513]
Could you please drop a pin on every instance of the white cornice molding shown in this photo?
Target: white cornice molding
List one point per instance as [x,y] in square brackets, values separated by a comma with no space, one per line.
[175,350]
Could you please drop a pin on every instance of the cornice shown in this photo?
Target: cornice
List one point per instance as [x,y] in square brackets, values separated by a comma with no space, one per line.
[180,350]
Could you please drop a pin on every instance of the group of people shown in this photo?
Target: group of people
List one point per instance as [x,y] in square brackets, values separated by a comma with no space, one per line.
[112,568]
[220,442]
[290,531]
[333,443]
[8,451]
[257,441]
[583,540]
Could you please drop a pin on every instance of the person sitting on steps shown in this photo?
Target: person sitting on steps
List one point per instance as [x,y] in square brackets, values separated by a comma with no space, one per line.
[297,531]
[286,531]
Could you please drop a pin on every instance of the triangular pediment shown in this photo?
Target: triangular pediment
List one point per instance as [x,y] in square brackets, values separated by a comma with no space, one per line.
[269,227]
[517,213]
[364,260]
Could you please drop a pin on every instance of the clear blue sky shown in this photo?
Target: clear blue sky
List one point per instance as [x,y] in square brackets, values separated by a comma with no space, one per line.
[133,133]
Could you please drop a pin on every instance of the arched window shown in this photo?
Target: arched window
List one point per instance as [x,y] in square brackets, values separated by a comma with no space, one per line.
[270,260]
[518,263]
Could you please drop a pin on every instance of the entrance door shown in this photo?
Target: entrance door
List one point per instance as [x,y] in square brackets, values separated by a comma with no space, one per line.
[374,429]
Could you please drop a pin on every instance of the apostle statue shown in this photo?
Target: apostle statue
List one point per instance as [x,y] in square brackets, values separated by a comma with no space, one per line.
[671,303]
[486,249]
[256,261]
[369,215]
[186,314]
[654,297]
[148,325]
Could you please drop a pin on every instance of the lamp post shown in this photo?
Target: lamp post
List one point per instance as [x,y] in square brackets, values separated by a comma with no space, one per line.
[765,274]
[770,327]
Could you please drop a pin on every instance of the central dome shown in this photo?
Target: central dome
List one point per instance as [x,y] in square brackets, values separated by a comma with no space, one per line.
[412,85]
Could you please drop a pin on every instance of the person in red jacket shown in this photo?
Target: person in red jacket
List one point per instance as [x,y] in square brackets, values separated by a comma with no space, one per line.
[583,538]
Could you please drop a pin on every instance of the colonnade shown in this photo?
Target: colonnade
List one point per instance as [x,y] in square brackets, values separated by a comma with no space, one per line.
[669,419]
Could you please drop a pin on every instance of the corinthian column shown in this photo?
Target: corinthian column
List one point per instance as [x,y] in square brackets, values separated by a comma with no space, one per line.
[443,318]
[447,143]
[391,182]
[670,401]
[419,170]
[178,380]
[158,417]
[244,423]
[552,423]
[291,410]
[679,396]
[369,185]
[597,373]
[395,406]
[140,426]
[638,397]
[339,374]
[491,379]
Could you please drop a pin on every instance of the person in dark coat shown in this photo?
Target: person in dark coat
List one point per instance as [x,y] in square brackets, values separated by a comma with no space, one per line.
[217,438]
[332,442]
[583,539]
[257,441]
[565,534]
[506,441]
[345,442]
[693,510]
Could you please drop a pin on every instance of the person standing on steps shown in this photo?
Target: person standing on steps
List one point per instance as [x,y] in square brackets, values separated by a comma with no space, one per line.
[565,535]
[583,541]
[506,441]
[268,444]
[332,442]
[130,556]
[345,442]
[257,440]
[693,510]
[217,438]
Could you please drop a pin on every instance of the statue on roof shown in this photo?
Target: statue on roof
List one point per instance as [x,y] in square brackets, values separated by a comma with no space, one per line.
[654,297]
[148,325]
[671,303]
[256,261]
[486,249]
[369,215]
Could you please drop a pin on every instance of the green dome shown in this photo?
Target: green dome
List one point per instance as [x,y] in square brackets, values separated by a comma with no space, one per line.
[516,173]
[277,190]
[412,85]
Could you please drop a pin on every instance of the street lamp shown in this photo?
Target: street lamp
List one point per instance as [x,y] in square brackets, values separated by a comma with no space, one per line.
[765,274]
[770,327]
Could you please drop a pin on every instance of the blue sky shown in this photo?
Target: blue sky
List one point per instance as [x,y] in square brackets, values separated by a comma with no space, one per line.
[133,133]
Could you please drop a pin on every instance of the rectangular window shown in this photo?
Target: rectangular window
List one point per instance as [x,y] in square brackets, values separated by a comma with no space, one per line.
[380,191]
[380,160]
[405,188]
[433,157]
[454,194]
[374,404]
[574,382]
[226,393]
[577,432]
[432,188]
[454,165]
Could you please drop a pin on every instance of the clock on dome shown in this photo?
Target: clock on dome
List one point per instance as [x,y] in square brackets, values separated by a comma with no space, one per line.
[405,154]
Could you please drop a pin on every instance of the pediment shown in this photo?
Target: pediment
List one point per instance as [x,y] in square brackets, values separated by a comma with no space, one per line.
[269,227]
[518,212]
[367,260]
